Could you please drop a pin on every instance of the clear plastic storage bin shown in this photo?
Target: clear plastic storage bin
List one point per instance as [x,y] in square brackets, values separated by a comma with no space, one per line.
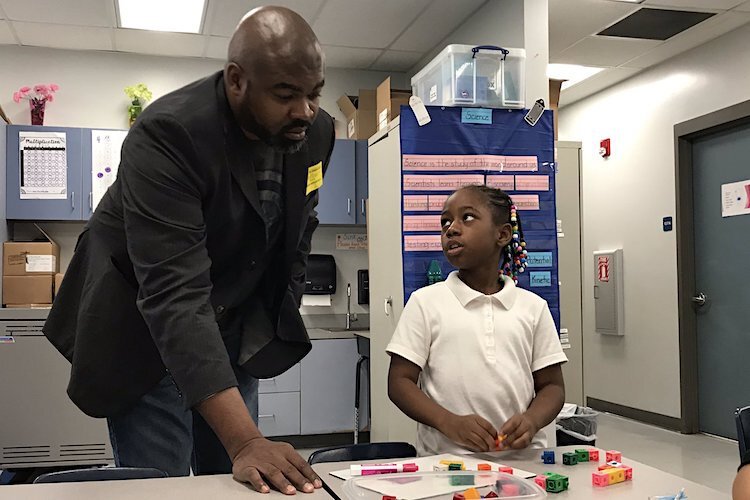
[440,485]
[464,75]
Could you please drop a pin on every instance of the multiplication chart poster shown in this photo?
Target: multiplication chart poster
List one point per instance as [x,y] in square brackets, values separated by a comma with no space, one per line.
[43,164]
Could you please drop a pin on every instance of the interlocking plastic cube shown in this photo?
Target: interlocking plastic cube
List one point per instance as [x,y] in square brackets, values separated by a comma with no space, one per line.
[614,463]
[555,485]
[541,481]
[594,455]
[616,475]
[628,472]
[439,467]
[506,469]
[458,496]
[548,457]
[454,464]
[570,458]
[455,467]
[388,497]
[491,494]
[484,467]
[583,455]
[604,467]
[510,490]
[613,455]
[462,480]
[600,478]
[472,494]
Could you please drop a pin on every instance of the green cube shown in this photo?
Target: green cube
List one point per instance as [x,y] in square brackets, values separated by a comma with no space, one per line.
[462,480]
[583,455]
[570,458]
[454,467]
[555,485]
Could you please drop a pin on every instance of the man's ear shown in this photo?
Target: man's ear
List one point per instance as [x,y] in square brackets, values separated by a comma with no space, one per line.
[233,75]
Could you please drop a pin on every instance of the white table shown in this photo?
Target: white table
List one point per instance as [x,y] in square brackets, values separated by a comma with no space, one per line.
[221,487]
[647,481]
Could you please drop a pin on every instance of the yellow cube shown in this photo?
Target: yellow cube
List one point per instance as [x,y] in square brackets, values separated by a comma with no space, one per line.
[616,475]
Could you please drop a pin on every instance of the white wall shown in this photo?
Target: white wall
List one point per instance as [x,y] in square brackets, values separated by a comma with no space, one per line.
[624,200]
[507,23]
[91,83]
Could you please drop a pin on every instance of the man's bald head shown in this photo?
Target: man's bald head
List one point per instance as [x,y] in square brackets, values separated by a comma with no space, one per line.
[273,77]
[272,36]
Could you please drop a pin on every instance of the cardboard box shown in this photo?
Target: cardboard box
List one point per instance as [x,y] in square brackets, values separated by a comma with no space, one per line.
[28,306]
[389,102]
[58,281]
[28,289]
[554,99]
[30,258]
[361,119]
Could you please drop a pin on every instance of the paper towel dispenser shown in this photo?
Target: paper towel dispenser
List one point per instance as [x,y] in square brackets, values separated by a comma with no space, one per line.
[320,278]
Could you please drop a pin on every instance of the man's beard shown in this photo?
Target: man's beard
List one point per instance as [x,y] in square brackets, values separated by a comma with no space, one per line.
[279,142]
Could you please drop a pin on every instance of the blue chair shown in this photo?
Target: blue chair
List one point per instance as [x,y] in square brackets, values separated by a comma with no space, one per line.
[365,451]
[742,419]
[100,474]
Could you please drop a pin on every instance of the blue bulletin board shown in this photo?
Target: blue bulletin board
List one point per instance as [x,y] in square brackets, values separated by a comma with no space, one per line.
[452,151]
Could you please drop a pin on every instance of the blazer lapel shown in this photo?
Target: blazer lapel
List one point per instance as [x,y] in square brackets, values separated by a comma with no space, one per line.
[295,183]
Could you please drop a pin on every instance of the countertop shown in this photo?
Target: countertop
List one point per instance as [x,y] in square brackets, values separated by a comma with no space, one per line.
[336,333]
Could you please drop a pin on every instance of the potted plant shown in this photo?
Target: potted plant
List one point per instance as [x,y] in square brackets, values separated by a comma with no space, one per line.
[138,94]
[38,98]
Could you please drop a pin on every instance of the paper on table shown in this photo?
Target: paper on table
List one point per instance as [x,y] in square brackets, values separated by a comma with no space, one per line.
[427,464]
[316,300]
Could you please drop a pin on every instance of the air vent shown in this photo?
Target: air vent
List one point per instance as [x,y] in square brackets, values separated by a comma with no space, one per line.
[655,24]
[82,450]
[15,454]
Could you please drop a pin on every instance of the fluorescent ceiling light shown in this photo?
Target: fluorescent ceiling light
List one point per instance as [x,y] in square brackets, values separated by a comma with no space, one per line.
[571,73]
[183,16]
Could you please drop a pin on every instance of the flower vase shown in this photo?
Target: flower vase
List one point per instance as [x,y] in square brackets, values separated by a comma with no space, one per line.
[37,111]
[134,110]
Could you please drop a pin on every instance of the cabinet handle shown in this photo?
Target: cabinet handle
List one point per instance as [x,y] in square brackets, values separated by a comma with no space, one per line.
[272,415]
[72,200]
[387,302]
[348,206]
[91,201]
[363,206]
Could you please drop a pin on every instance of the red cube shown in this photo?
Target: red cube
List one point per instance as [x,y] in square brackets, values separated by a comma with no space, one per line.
[511,490]
[593,455]
[541,481]
[614,456]
[600,479]
[506,469]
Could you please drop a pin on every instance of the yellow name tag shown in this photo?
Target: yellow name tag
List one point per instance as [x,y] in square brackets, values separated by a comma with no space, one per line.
[314,177]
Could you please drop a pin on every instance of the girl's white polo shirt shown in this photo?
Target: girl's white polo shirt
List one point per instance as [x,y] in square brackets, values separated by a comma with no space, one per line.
[477,352]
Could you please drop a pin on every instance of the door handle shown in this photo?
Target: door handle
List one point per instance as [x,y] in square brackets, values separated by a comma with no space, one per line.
[388,302]
[348,206]
[272,415]
[363,206]
[72,201]
[699,300]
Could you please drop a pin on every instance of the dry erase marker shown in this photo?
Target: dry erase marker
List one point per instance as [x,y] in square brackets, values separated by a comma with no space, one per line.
[371,469]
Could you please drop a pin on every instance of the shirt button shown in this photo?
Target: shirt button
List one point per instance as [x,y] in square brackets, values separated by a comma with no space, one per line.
[220,309]
[252,263]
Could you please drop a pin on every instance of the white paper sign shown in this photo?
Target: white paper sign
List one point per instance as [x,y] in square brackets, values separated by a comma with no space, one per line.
[40,263]
[105,160]
[351,241]
[43,165]
[735,199]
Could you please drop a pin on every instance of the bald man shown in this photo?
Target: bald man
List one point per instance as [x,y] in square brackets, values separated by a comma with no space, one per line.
[185,285]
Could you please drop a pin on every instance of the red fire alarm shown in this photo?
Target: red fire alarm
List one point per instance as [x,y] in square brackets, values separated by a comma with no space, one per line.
[604,148]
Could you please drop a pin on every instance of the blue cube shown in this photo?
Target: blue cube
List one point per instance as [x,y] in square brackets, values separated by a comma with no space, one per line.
[548,457]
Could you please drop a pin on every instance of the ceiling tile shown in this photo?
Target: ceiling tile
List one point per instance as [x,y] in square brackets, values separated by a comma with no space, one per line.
[441,18]
[350,57]
[604,51]
[365,23]
[77,12]
[708,30]
[695,4]
[598,82]
[63,36]
[745,7]
[572,20]
[217,47]
[224,15]
[397,60]
[159,43]
[6,37]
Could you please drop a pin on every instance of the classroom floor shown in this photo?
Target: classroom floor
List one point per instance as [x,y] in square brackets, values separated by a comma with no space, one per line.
[704,459]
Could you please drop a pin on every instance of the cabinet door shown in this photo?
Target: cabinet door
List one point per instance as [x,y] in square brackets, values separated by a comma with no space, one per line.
[66,208]
[337,195]
[361,180]
[328,386]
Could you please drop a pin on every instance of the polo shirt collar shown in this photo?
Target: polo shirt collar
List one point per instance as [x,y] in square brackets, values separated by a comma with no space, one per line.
[465,294]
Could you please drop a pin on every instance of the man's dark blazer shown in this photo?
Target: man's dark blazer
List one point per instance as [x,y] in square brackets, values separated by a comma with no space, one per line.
[177,249]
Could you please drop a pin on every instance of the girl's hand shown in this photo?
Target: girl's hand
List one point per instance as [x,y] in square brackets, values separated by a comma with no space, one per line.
[519,431]
[470,431]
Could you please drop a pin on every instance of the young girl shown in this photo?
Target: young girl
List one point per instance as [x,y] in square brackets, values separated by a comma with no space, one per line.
[486,351]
